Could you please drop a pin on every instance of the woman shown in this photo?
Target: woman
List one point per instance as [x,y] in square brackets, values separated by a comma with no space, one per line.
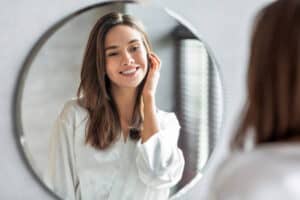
[271,118]
[112,142]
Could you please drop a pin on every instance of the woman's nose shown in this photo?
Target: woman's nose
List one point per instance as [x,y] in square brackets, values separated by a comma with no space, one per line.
[127,58]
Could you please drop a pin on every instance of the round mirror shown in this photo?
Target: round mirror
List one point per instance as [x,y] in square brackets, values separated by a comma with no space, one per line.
[189,84]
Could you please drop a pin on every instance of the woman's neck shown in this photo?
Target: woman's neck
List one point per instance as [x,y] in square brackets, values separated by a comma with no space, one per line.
[125,99]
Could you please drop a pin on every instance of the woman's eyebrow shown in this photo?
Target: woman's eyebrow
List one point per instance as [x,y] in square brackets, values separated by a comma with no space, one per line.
[115,46]
[133,41]
[111,47]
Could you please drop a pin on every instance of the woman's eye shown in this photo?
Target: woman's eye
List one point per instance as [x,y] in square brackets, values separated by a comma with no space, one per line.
[112,54]
[134,48]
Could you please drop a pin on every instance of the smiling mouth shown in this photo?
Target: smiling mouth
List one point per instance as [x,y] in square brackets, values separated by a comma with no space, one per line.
[129,72]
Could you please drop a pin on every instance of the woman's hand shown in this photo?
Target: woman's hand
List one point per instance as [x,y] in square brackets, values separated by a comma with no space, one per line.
[153,76]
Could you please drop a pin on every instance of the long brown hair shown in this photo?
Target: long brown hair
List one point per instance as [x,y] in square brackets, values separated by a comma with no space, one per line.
[273,104]
[94,94]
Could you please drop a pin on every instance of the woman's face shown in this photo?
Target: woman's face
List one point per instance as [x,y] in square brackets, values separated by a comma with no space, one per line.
[125,56]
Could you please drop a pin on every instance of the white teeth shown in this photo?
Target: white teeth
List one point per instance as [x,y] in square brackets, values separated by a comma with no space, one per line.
[130,71]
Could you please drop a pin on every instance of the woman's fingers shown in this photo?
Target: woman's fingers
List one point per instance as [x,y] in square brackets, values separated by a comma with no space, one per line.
[153,76]
[155,61]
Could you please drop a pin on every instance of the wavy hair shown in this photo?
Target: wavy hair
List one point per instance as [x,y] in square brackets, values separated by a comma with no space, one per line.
[94,94]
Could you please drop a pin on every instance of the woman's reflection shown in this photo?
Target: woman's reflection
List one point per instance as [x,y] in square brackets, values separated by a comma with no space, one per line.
[112,142]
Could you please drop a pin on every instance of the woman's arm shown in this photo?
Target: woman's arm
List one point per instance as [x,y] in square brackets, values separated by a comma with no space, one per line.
[60,175]
[151,125]
[159,161]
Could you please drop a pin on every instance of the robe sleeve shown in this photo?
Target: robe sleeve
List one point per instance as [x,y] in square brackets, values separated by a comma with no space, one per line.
[61,176]
[159,161]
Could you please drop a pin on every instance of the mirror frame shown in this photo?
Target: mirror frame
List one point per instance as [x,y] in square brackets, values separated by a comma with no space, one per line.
[22,74]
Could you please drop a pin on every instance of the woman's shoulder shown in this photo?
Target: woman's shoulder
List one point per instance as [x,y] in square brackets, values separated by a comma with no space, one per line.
[167,117]
[73,111]
[268,166]
[264,160]
[269,153]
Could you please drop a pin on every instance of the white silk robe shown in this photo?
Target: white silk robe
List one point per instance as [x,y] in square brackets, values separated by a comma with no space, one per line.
[125,171]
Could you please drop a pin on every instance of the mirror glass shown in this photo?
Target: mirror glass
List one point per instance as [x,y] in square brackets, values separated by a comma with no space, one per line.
[189,85]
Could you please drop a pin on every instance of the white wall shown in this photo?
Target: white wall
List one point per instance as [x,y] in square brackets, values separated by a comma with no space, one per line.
[224,25]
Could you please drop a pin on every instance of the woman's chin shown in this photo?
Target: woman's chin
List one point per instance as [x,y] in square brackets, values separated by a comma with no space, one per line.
[128,86]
